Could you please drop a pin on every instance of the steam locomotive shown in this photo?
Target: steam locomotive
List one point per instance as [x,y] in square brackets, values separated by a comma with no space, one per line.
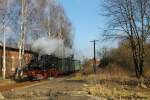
[50,66]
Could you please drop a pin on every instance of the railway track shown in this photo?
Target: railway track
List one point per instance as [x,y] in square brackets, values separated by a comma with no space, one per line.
[55,89]
[19,85]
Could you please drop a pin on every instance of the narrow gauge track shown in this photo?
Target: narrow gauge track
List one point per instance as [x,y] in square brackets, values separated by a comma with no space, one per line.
[10,87]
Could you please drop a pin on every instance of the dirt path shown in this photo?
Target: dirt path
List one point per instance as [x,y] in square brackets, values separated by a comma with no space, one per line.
[55,89]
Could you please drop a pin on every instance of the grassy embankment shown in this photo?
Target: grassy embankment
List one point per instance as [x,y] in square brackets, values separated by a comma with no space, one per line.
[113,83]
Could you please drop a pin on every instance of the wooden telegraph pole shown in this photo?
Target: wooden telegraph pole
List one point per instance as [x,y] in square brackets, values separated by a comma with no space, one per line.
[94,58]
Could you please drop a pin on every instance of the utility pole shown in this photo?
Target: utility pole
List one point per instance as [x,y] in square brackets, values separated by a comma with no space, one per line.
[94,58]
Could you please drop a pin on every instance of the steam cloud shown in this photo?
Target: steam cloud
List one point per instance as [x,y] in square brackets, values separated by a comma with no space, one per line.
[56,47]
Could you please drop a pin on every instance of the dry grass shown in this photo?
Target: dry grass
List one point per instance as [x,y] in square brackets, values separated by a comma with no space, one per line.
[78,76]
[113,92]
[108,73]
[111,82]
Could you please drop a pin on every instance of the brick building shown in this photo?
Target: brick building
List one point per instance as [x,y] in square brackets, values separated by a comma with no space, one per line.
[12,59]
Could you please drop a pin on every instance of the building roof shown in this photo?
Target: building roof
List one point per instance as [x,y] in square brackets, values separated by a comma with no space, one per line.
[15,48]
[91,61]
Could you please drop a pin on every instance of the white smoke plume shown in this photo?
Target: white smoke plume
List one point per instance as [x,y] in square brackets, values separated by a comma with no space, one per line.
[56,47]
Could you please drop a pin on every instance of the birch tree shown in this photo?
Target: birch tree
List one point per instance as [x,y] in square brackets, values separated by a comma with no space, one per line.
[23,22]
[32,19]
[48,18]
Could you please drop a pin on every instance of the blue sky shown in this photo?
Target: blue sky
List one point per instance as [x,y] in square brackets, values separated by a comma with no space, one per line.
[87,23]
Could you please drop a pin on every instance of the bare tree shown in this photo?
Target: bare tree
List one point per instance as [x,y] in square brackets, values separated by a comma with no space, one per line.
[130,19]
[48,18]
[39,18]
